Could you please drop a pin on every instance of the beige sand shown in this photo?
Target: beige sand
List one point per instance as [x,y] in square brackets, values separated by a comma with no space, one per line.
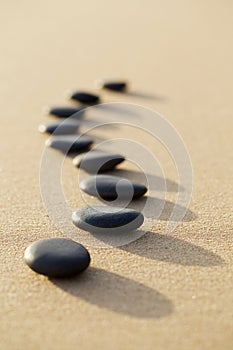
[161,292]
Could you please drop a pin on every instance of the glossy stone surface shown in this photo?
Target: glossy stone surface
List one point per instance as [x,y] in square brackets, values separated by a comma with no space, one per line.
[112,187]
[57,257]
[115,86]
[63,128]
[65,112]
[69,143]
[85,97]
[97,161]
[99,218]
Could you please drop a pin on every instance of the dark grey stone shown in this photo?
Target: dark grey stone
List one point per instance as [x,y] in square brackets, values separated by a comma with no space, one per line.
[69,143]
[85,97]
[57,257]
[65,112]
[115,86]
[112,187]
[97,161]
[96,219]
[63,128]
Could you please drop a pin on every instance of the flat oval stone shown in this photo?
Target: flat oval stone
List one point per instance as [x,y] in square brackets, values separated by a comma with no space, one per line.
[85,97]
[116,220]
[65,112]
[57,257]
[69,143]
[115,86]
[112,187]
[97,161]
[63,128]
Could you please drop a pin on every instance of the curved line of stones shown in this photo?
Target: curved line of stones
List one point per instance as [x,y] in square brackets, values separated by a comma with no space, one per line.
[97,99]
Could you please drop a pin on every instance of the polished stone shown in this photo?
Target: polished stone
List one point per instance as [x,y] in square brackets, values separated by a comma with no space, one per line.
[112,187]
[99,218]
[85,97]
[63,128]
[57,257]
[119,86]
[65,112]
[97,161]
[69,143]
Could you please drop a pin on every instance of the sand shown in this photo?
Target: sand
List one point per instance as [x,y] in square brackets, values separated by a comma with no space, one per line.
[163,291]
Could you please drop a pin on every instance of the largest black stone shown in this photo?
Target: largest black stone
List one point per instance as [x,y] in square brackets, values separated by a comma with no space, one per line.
[98,219]
[57,257]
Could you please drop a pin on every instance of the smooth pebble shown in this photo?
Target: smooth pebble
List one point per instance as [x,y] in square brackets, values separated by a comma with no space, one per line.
[65,112]
[112,187]
[63,128]
[85,97]
[69,143]
[98,161]
[57,257]
[115,86]
[96,219]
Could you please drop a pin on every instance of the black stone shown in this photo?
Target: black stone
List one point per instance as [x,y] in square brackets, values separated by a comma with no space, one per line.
[65,112]
[115,86]
[57,257]
[69,143]
[85,97]
[112,187]
[63,128]
[97,161]
[116,220]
